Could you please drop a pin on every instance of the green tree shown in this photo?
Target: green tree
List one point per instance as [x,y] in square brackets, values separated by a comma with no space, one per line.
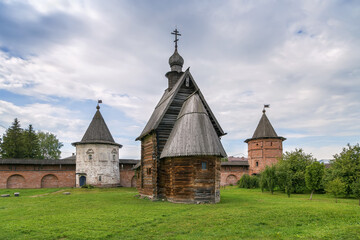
[270,176]
[336,187]
[291,169]
[346,166]
[12,145]
[31,143]
[262,182]
[313,176]
[49,145]
[356,189]
[245,181]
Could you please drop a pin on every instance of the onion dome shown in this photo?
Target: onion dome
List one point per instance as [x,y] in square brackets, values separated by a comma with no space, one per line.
[176,62]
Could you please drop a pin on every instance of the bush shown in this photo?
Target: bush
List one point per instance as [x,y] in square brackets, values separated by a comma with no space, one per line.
[336,187]
[247,181]
[89,186]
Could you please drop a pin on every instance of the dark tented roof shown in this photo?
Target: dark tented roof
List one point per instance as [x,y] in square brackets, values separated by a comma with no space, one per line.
[97,132]
[165,102]
[193,133]
[264,130]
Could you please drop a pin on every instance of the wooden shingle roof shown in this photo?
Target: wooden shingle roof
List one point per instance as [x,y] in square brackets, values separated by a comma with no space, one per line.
[166,101]
[193,133]
[97,132]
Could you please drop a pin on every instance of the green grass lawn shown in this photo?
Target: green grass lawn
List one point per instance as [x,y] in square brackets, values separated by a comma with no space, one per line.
[117,214]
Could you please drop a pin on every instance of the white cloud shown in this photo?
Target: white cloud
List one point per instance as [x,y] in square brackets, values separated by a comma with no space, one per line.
[300,57]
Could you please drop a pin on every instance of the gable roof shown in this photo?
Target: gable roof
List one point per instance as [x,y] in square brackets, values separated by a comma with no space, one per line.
[193,133]
[168,98]
[264,130]
[97,132]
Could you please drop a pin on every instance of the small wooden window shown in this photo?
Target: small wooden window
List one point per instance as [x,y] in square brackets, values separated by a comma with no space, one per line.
[203,166]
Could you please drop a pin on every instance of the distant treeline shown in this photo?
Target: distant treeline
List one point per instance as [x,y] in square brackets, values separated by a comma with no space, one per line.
[298,172]
[26,143]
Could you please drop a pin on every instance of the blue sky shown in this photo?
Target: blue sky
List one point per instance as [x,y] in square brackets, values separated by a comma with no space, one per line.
[301,57]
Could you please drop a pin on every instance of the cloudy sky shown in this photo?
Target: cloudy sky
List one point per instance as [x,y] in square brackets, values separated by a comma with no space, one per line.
[301,57]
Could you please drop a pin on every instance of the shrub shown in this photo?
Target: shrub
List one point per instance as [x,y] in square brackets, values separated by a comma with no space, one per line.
[336,187]
[247,181]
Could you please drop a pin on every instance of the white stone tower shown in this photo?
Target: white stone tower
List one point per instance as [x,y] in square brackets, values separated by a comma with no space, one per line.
[97,155]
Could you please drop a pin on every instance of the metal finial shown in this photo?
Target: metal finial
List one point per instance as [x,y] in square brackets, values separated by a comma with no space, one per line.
[266,106]
[98,106]
[176,33]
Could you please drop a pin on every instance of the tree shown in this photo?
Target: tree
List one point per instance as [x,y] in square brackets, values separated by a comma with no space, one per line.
[270,176]
[336,187]
[262,182]
[12,145]
[356,189]
[291,169]
[346,166]
[313,176]
[49,146]
[31,143]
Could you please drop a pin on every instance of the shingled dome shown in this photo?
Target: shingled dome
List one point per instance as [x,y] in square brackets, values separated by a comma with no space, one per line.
[97,132]
[264,130]
[176,61]
[193,133]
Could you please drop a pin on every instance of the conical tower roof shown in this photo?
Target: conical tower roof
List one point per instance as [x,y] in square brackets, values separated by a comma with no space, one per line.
[264,130]
[97,132]
[193,133]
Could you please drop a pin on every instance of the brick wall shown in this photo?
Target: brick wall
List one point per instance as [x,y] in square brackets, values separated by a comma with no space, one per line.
[262,153]
[37,176]
[232,174]
[127,176]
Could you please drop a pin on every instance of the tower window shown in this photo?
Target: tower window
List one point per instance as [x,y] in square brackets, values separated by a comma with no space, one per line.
[149,171]
[90,156]
[203,166]
[99,178]
[114,157]
[257,164]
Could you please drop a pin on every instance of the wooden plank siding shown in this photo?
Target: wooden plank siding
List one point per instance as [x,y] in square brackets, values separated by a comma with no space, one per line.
[184,180]
[147,178]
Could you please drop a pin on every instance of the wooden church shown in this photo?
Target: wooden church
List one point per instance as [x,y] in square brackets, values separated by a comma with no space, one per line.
[180,145]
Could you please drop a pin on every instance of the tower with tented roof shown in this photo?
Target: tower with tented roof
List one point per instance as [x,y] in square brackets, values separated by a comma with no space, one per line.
[265,147]
[97,155]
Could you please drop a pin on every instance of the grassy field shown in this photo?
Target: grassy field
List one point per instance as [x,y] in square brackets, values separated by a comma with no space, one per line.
[117,214]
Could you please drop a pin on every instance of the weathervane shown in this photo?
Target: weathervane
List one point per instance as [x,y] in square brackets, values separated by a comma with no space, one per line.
[176,33]
[266,106]
[98,106]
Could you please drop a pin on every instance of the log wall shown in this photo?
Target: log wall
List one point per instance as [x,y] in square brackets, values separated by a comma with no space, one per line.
[184,180]
[147,175]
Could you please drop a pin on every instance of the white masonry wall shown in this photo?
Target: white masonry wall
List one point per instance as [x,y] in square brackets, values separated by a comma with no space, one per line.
[102,168]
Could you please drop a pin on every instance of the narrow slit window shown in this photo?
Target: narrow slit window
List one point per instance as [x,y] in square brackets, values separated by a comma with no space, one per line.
[257,164]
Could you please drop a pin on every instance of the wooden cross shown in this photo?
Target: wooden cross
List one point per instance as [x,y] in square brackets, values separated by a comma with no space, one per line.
[176,33]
